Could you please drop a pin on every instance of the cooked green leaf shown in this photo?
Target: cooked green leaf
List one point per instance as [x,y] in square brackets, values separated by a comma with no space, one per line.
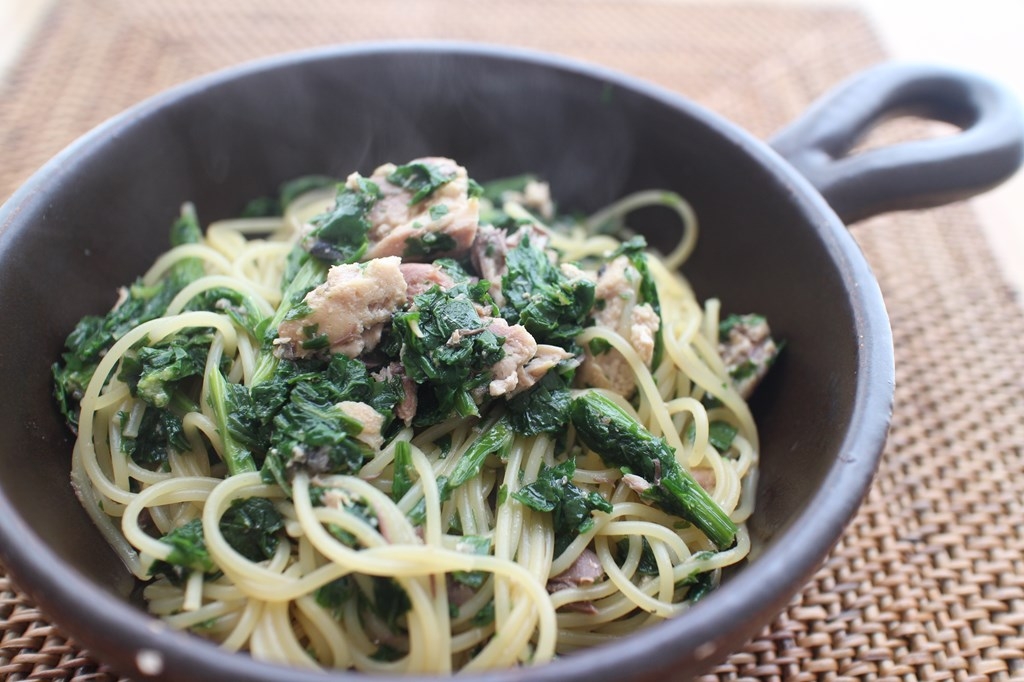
[447,366]
[341,234]
[473,544]
[429,244]
[571,507]
[422,179]
[188,552]
[158,433]
[544,408]
[550,304]
[251,527]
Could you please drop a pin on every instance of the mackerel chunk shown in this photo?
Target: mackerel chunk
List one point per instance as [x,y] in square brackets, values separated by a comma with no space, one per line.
[617,292]
[346,314]
[439,221]
[746,346]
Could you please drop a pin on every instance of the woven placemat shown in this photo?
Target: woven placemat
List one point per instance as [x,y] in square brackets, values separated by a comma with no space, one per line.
[928,581]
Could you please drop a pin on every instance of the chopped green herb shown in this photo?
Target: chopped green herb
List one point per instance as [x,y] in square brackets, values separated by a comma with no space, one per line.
[423,179]
[429,244]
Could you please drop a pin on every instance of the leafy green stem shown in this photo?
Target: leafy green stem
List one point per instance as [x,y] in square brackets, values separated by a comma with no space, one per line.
[622,441]
[236,456]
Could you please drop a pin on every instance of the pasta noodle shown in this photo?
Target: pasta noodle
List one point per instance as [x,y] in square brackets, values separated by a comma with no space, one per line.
[422,559]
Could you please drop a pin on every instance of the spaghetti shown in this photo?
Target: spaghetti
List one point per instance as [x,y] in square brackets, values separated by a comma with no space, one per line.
[300,480]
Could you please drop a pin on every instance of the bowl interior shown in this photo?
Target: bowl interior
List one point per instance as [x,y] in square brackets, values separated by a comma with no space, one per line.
[96,218]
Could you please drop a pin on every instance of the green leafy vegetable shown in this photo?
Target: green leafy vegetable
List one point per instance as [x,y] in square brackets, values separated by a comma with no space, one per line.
[447,368]
[334,595]
[309,273]
[188,553]
[494,439]
[403,470]
[224,398]
[187,230]
[720,434]
[422,179]
[315,437]
[484,616]
[388,601]
[473,544]
[544,408]
[551,305]
[158,433]
[291,420]
[648,564]
[702,583]
[153,372]
[571,507]
[621,441]
[352,505]
[307,428]
[261,207]
[251,527]
[429,244]
[340,234]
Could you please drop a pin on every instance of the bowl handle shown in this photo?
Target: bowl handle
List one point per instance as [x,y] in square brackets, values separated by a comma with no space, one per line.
[988,149]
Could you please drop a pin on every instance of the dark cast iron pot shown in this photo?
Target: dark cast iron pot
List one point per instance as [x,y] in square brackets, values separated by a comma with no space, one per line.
[772,241]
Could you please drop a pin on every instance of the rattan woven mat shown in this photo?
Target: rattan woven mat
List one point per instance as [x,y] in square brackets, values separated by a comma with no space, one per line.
[928,581]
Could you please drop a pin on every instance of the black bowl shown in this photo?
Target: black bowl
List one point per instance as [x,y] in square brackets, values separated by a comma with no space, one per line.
[96,216]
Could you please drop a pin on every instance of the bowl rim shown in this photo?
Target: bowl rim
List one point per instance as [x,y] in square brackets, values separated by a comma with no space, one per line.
[119,632]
